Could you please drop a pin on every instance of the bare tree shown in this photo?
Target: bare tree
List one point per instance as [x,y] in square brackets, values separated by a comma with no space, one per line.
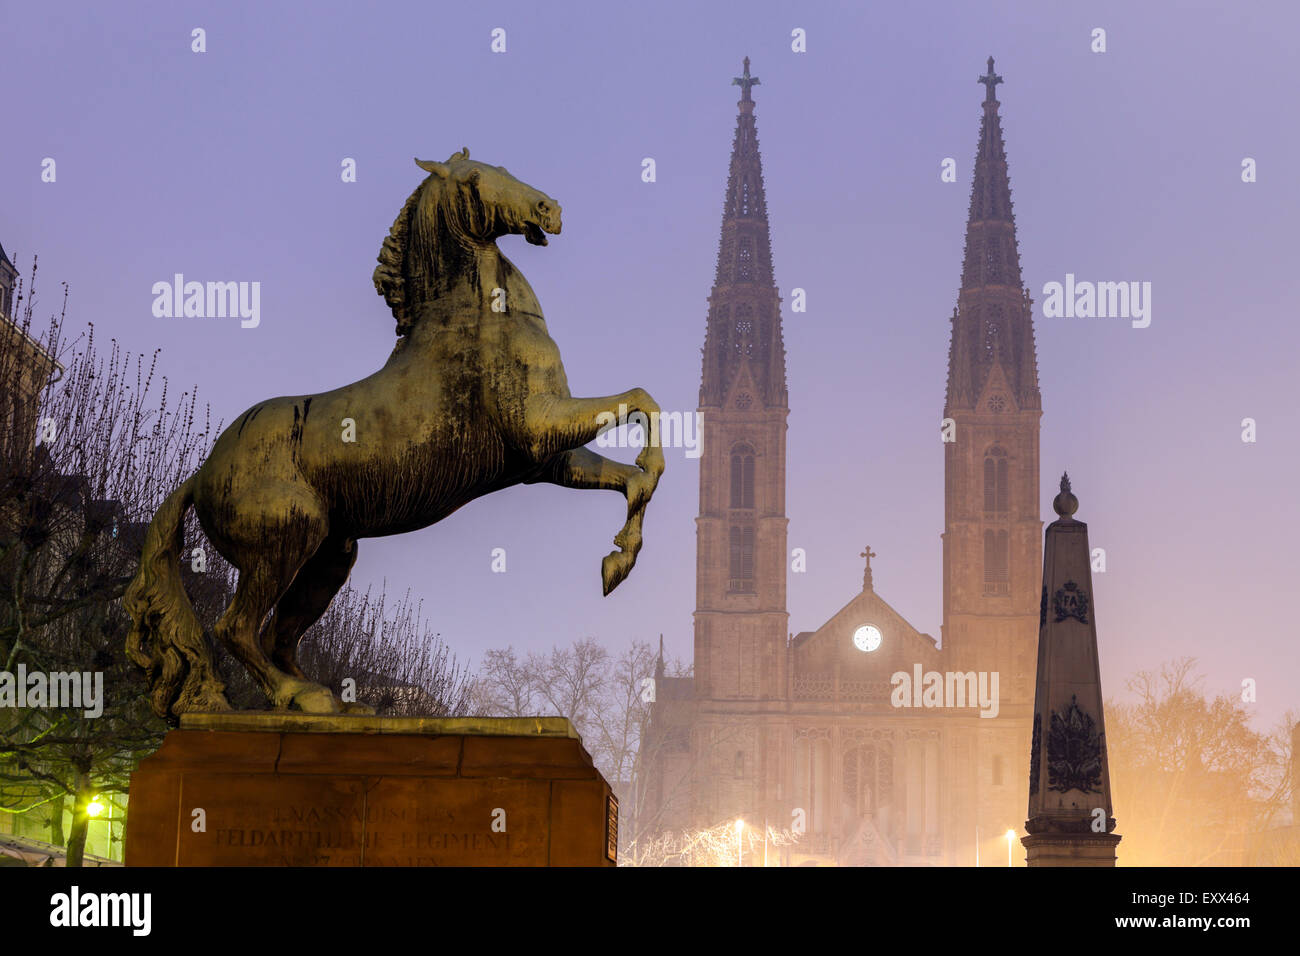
[572,681]
[506,686]
[83,464]
[610,699]
[1191,780]
[618,724]
[384,656]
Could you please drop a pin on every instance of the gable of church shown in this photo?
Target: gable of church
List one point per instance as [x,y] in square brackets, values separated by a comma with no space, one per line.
[901,645]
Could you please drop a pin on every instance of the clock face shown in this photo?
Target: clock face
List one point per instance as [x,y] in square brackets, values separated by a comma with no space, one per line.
[867,637]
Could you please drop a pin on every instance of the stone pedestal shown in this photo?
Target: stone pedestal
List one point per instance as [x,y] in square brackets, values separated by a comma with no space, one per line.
[1073,849]
[276,789]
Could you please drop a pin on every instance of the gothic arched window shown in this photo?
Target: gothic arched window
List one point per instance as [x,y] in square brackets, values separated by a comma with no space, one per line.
[744,340]
[996,481]
[997,579]
[742,477]
[867,783]
[745,260]
[744,198]
[742,558]
[813,782]
[992,328]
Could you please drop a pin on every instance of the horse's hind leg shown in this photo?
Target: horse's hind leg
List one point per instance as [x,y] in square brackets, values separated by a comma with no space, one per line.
[302,605]
[268,575]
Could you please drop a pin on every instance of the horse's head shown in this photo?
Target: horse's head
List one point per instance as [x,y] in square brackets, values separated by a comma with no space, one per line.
[485,202]
[462,202]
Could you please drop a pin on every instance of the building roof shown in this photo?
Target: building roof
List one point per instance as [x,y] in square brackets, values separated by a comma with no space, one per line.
[902,645]
[14,329]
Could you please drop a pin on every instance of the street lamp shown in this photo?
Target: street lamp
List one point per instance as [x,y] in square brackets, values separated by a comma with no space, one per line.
[94,808]
[1011,838]
[740,828]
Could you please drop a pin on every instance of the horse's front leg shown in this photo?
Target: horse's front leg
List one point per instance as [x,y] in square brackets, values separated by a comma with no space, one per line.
[558,427]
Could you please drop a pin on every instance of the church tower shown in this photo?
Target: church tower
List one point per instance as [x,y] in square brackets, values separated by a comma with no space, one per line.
[740,616]
[992,557]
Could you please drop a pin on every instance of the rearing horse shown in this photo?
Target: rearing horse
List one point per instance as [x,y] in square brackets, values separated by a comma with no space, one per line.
[473,399]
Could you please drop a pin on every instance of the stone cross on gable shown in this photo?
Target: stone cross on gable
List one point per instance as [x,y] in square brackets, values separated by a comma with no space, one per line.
[745,82]
[866,575]
[990,80]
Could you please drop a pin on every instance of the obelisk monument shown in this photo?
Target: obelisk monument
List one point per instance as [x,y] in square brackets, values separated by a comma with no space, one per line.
[1070,821]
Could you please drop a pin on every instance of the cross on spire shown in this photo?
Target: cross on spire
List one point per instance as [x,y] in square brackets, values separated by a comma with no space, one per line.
[866,575]
[745,82]
[990,80]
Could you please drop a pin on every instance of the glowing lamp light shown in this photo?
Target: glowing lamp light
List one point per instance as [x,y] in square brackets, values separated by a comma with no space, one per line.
[94,808]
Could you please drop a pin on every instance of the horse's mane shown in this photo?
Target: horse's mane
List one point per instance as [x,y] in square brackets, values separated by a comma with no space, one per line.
[410,253]
[403,288]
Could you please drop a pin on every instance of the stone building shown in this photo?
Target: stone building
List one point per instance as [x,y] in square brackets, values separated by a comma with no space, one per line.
[814,731]
[25,369]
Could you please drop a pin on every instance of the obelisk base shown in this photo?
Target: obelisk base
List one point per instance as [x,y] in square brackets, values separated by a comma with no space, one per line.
[1070,849]
[286,789]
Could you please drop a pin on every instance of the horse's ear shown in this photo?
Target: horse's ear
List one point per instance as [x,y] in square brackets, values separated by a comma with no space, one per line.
[438,169]
[463,154]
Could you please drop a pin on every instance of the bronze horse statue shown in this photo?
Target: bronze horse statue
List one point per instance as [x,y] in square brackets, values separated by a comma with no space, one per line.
[472,399]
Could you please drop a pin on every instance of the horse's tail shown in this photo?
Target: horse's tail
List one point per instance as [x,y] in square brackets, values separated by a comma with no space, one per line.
[166,637]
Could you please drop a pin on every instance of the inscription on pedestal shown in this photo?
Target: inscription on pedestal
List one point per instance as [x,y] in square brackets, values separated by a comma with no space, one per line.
[371,799]
[378,822]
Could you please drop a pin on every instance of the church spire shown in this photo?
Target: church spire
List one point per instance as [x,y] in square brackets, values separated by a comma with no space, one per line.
[744,326]
[992,324]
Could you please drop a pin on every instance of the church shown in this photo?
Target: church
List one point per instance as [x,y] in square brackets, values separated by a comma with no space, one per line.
[818,733]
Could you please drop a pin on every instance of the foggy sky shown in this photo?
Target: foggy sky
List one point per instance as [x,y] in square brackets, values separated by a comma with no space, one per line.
[1124,166]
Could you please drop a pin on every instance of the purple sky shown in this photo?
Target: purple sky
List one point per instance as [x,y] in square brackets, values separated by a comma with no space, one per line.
[1124,165]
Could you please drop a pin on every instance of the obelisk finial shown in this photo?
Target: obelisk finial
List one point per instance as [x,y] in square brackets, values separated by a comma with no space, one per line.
[745,82]
[990,80]
[1065,504]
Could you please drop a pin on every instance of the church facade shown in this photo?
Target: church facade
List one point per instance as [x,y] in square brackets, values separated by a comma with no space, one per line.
[866,738]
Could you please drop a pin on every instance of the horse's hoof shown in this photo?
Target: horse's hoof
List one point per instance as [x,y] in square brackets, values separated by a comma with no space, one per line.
[318,700]
[307,697]
[614,567]
[205,700]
